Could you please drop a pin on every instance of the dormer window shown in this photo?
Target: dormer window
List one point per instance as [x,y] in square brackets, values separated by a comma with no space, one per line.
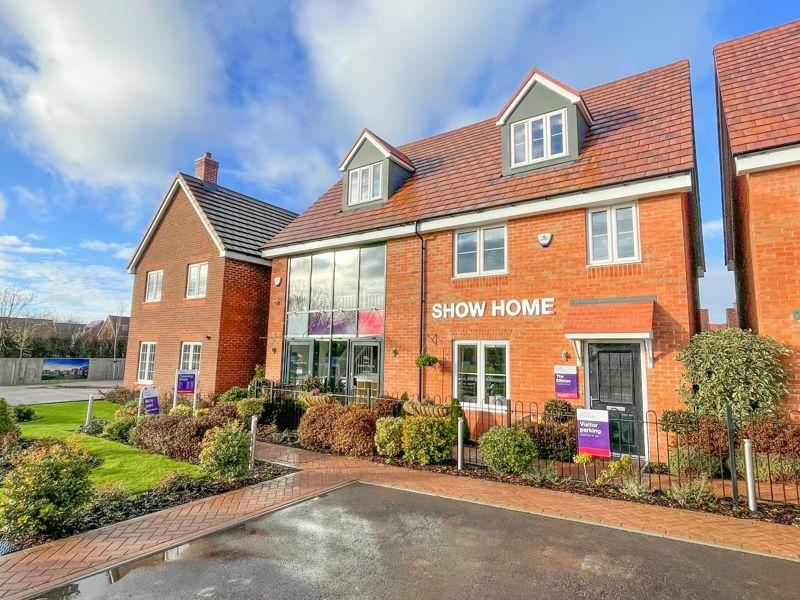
[365,184]
[539,138]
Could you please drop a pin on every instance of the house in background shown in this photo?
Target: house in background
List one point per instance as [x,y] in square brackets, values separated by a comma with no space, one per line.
[758,102]
[201,287]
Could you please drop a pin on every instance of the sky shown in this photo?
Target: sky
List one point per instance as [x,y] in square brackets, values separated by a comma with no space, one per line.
[101,102]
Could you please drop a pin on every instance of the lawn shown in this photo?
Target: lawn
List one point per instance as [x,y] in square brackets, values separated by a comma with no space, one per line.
[137,470]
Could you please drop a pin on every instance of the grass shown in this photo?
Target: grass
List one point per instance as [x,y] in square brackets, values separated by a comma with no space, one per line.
[136,470]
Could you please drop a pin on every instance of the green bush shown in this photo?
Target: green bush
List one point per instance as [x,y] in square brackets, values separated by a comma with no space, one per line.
[354,432]
[249,408]
[542,475]
[182,410]
[389,436]
[316,426]
[95,426]
[121,395]
[557,410]
[507,449]
[775,468]
[456,411]
[692,493]
[24,413]
[735,366]
[6,417]
[225,452]
[554,441]
[47,485]
[691,461]
[232,395]
[679,421]
[427,440]
[120,430]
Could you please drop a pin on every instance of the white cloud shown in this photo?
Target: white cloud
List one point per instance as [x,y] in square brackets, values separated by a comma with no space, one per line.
[101,92]
[16,245]
[116,250]
[36,237]
[717,290]
[713,229]
[3,206]
[36,202]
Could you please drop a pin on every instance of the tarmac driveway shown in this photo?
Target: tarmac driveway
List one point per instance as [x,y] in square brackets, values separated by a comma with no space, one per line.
[364,541]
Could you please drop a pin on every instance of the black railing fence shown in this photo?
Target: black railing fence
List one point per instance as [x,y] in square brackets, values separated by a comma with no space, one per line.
[662,453]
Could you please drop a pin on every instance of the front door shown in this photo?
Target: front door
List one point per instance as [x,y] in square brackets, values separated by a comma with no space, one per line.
[365,370]
[300,359]
[615,385]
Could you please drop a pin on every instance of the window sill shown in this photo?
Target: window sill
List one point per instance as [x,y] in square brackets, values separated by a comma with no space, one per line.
[194,297]
[144,382]
[538,160]
[152,301]
[479,275]
[632,261]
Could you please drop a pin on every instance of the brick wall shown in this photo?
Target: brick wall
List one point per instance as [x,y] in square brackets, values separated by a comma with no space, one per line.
[277,313]
[768,272]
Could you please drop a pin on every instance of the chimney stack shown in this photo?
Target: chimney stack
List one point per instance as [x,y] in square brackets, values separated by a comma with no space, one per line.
[206,168]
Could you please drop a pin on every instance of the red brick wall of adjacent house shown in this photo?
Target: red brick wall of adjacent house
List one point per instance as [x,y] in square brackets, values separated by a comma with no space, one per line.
[277,313]
[243,326]
[768,274]
[180,240]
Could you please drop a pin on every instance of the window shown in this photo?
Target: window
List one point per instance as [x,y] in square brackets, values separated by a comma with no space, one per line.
[147,361]
[196,281]
[613,234]
[365,184]
[481,374]
[480,251]
[155,281]
[190,355]
[539,138]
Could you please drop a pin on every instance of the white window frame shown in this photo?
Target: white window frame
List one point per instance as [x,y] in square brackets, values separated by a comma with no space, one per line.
[157,288]
[482,345]
[546,130]
[613,254]
[198,269]
[149,357]
[481,272]
[359,173]
[195,350]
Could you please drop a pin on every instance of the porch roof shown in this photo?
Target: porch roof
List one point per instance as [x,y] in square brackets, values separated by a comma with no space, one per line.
[610,317]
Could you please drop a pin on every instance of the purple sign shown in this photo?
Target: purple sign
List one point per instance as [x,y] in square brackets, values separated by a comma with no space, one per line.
[186,381]
[593,435]
[566,381]
[149,399]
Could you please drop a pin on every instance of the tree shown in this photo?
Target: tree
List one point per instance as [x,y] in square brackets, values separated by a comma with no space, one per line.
[14,302]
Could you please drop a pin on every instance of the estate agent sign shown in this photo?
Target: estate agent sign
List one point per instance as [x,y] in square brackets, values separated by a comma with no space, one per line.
[593,435]
[148,398]
[527,307]
[566,381]
[186,385]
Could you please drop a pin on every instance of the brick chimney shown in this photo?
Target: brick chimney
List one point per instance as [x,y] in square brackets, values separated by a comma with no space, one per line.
[206,168]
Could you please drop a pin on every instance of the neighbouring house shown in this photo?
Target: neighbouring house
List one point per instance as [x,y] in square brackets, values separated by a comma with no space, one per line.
[731,319]
[562,234]
[108,329]
[758,101]
[201,286]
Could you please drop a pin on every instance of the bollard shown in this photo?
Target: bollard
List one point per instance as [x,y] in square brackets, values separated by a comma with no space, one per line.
[139,408]
[89,409]
[750,475]
[194,405]
[732,452]
[460,443]
[253,430]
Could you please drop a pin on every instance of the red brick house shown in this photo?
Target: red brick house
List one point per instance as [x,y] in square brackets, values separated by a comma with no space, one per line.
[201,287]
[758,101]
[562,234]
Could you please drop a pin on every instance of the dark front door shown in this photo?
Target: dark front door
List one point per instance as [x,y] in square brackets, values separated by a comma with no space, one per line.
[615,385]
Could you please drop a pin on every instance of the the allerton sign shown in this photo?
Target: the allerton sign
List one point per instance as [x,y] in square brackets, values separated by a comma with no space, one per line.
[532,307]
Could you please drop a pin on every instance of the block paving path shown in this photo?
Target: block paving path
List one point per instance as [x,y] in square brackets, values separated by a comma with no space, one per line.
[51,565]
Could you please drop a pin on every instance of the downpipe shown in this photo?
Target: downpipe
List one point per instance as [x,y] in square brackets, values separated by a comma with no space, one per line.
[422,296]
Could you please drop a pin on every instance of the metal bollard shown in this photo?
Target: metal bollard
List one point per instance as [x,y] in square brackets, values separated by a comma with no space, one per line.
[194,405]
[253,430]
[460,443]
[139,408]
[750,475]
[89,409]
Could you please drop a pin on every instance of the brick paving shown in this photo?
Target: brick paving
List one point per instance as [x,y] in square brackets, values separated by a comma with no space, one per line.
[42,568]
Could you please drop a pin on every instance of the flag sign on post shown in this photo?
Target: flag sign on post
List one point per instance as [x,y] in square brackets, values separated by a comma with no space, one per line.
[593,435]
[185,385]
[566,381]
[148,399]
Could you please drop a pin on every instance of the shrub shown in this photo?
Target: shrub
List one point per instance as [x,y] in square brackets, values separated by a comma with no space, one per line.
[6,417]
[48,484]
[770,467]
[389,436]
[457,411]
[172,435]
[711,436]
[249,408]
[557,410]
[690,461]
[182,410]
[24,413]
[541,475]
[427,440]
[316,425]
[384,407]
[736,366]
[507,449]
[119,430]
[284,413]
[225,452]
[95,426]
[617,470]
[773,435]
[679,421]
[201,412]
[354,432]
[692,493]
[121,395]
[635,488]
[232,395]
[228,410]
[554,441]
[426,360]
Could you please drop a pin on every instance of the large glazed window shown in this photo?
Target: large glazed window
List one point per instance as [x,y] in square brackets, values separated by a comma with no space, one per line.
[482,374]
[337,293]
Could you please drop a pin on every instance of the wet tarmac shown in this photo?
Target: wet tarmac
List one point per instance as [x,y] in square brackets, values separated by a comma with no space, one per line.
[364,541]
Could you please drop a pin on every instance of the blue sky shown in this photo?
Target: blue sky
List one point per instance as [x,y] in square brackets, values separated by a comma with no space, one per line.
[100,103]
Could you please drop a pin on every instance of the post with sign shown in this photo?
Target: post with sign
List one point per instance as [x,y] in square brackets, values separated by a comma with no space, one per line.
[593,434]
[148,399]
[185,385]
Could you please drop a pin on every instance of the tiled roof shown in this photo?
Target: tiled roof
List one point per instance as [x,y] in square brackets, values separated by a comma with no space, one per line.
[642,128]
[758,77]
[241,222]
[610,317]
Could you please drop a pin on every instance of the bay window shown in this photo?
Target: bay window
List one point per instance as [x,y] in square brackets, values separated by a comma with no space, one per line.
[480,251]
[539,138]
[481,374]
[365,184]
[613,234]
